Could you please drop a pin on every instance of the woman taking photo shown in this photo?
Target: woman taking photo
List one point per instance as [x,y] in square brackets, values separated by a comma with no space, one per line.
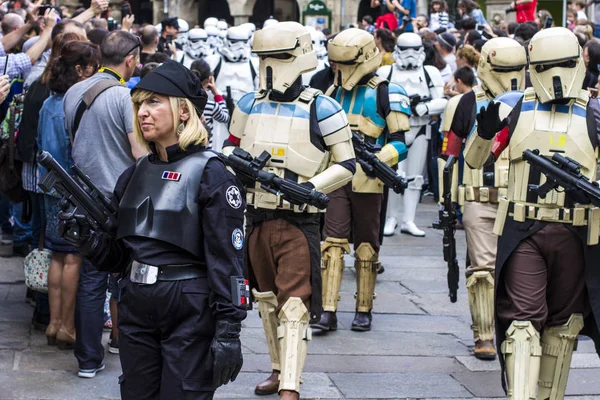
[71,61]
[180,220]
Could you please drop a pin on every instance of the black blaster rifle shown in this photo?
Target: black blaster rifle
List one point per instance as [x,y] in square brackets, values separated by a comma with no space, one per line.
[416,99]
[251,168]
[79,195]
[566,173]
[448,218]
[373,166]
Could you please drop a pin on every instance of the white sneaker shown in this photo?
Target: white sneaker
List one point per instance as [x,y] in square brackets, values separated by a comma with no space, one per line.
[410,228]
[90,373]
[390,226]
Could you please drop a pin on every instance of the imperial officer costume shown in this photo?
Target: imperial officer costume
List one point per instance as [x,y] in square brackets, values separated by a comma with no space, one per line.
[180,225]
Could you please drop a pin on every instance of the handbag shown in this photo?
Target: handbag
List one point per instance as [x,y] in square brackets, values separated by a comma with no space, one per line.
[36,266]
[10,168]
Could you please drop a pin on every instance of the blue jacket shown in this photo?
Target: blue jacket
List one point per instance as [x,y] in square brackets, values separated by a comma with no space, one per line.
[52,135]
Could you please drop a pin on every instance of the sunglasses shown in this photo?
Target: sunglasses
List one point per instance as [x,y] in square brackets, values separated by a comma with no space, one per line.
[138,44]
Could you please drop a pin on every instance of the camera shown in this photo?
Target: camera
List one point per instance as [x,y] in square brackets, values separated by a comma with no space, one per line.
[510,10]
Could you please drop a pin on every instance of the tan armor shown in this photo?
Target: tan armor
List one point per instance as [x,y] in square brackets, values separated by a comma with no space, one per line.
[502,65]
[294,335]
[522,352]
[332,265]
[558,344]
[366,265]
[267,304]
[551,128]
[283,130]
[480,286]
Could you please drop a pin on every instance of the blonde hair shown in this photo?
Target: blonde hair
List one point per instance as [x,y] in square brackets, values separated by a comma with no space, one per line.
[469,53]
[194,132]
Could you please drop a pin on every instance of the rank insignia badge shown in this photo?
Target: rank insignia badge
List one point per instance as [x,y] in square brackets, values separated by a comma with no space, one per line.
[171,176]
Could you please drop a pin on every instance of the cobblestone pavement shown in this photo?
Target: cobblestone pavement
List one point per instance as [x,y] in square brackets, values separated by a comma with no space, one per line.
[419,348]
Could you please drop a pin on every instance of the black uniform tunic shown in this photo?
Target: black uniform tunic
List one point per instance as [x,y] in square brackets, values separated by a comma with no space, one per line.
[166,328]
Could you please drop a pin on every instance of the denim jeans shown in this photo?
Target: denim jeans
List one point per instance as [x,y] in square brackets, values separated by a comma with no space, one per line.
[597,30]
[21,229]
[5,213]
[89,316]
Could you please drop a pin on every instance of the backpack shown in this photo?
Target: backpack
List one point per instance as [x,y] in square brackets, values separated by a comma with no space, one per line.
[10,168]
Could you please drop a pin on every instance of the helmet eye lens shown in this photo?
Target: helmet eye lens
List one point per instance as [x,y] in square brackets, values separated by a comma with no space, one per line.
[282,56]
[402,48]
[564,64]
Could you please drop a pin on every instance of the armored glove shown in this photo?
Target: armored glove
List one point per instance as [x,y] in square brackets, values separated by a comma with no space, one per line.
[488,121]
[421,109]
[226,349]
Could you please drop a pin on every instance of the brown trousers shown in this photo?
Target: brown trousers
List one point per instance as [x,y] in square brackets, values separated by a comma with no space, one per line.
[279,260]
[543,280]
[478,219]
[354,213]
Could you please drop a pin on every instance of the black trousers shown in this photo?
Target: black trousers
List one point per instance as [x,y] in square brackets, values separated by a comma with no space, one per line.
[165,332]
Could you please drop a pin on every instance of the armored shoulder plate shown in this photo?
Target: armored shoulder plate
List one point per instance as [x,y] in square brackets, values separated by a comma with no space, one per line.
[583,98]
[247,101]
[529,94]
[309,94]
[375,81]
[480,94]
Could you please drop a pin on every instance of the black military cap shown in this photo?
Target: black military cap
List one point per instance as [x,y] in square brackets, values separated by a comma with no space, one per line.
[173,79]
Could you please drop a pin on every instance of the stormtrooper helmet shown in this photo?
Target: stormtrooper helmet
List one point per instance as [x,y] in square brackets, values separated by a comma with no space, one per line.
[222,26]
[214,41]
[269,22]
[197,44]
[183,32]
[409,52]
[319,40]
[211,21]
[237,44]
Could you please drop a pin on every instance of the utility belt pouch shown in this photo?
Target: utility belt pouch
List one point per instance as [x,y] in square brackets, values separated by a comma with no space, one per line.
[579,216]
[501,216]
[143,273]
[593,226]
[469,193]
[484,195]
[461,195]
[519,212]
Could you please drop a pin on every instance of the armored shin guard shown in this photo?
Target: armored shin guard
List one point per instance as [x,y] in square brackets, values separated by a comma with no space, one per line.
[294,334]
[522,353]
[366,265]
[267,304]
[480,286]
[558,344]
[332,268]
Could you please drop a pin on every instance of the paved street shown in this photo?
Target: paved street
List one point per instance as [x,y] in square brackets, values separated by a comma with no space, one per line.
[420,345]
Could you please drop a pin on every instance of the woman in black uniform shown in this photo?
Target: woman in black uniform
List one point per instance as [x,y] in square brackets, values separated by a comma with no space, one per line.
[180,223]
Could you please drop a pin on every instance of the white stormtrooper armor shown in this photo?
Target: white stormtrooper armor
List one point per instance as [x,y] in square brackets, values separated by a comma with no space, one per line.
[182,35]
[235,72]
[426,82]
[252,29]
[319,40]
[269,22]
[196,47]
[222,26]
[214,40]
[210,21]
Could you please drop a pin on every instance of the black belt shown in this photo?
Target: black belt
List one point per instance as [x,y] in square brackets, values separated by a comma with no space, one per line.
[181,272]
[255,216]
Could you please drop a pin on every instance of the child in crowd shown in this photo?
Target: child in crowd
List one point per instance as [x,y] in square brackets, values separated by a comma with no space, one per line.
[438,18]
[571,19]
[462,82]
[216,108]
[579,9]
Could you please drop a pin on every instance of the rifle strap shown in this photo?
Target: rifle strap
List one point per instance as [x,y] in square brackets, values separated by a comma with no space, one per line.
[217,69]
[88,98]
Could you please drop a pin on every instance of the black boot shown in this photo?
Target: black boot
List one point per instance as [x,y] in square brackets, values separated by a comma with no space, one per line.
[328,322]
[362,321]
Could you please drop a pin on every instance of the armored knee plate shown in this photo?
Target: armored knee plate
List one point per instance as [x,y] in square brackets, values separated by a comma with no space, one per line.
[294,334]
[267,304]
[366,265]
[522,352]
[558,344]
[332,268]
[480,286]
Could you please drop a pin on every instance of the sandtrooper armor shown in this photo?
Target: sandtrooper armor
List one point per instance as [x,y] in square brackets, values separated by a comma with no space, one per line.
[426,82]
[501,68]
[308,137]
[550,117]
[363,95]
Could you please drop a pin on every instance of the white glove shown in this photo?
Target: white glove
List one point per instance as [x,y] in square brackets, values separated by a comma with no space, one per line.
[421,109]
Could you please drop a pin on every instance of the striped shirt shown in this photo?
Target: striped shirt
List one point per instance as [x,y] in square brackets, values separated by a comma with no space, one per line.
[215,110]
[438,21]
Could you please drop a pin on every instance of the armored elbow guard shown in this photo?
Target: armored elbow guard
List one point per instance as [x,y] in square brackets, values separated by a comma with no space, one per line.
[477,151]
[331,179]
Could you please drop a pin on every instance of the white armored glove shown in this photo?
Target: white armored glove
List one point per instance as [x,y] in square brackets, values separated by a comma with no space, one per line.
[421,109]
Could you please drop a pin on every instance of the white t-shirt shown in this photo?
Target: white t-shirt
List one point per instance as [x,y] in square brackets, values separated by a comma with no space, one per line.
[581,15]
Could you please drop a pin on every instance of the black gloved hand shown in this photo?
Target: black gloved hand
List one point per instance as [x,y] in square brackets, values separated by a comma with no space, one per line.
[76,229]
[488,121]
[226,350]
